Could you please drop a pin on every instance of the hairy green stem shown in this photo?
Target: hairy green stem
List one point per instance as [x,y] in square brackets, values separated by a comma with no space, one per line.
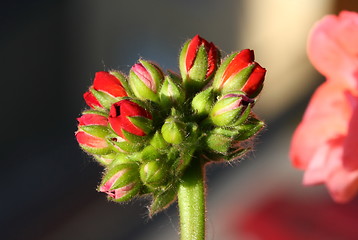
[191,200]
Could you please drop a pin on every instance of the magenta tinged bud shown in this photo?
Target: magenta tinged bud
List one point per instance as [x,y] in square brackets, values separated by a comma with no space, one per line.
[231,110]
[121,182]
[145,79]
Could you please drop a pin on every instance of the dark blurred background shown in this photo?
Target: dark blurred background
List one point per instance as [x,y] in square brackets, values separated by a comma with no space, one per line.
[50,51]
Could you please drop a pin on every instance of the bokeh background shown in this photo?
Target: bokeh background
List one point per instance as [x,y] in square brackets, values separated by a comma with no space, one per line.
[50,51]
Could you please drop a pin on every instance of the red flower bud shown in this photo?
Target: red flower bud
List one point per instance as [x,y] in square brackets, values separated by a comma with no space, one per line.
[120,118]
[198,61]
[92,129]
[240,72]
[108,83]
[89,141]
[191,54]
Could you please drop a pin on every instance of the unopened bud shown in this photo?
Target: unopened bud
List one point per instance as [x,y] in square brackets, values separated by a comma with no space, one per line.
[239,72]
[173,131]
[171,93]
[198,61]
[153,173]
[232,109]
[121,182]
[203,101]
[145,79]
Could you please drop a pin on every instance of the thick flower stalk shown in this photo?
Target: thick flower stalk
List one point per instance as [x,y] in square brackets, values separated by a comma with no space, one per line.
[325,142]
[154,132]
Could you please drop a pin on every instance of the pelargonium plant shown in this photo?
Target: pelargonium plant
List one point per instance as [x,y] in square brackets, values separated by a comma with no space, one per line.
[154,132]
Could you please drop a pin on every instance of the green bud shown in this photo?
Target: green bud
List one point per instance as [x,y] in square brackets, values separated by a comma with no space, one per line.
[218,142]
[171,93]
[203,101]
[173,131]
[153,174]
[158,141]
[149,153]
[232,109]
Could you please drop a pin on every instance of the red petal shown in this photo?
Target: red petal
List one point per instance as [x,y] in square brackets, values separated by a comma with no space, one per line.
[91,100]
[118,117]
[212,59]
[92,119]
[191,51]
[108,83]
[255,80]
[90,141]
[239,62]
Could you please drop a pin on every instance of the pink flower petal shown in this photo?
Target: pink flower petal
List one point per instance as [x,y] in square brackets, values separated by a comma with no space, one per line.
[350,154]
[326,118]
[332,48]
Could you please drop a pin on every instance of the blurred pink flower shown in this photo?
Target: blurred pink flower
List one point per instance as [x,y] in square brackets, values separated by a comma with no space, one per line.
[325,144]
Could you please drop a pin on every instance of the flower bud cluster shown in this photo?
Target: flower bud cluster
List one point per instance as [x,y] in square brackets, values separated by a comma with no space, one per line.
[147,127]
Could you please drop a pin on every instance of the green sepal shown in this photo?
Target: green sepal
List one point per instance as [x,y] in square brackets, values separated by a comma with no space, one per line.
[124,146]
[183,160]
[106,160]
[153,174]
[163,199]
[244,115]
[197,74]
[154,71]
[130,175]
[203,102]
[103,98]
[122,78]
[130,194]
[182,58]
[97,112]
[220,72]
[248,129]
[235,155]
[119,158]
[134,138]
[218,142]
[95,130]
[145,124]
[236,82]
[149,153]
[158,141]
[171,93]
[97,151]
